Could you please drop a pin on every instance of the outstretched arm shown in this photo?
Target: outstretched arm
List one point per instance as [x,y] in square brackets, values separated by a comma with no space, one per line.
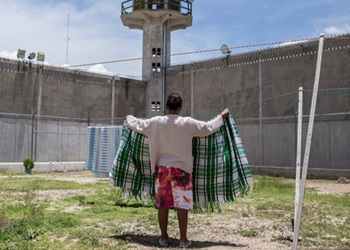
[138,125]
[200,128]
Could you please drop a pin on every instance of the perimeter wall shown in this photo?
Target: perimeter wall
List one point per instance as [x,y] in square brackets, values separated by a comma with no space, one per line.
[44,111]
[261,90]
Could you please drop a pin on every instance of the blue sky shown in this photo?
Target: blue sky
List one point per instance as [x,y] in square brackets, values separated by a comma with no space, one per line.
[97,34]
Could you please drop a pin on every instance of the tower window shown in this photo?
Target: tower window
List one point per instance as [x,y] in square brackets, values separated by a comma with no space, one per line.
[156,52]
[156,67]
[155,4]
[155,106]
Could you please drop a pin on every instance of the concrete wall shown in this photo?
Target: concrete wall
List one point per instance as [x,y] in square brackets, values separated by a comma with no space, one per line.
[65,102]
[261,90]
[239,80]
[278,147]
[259,87]
[47,141]
[26,88]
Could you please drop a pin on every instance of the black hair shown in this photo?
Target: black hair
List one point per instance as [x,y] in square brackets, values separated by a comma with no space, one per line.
[174,101]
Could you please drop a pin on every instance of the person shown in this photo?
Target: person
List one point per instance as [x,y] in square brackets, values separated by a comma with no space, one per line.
[170,145]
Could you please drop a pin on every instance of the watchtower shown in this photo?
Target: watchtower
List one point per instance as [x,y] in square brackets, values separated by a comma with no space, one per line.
[157,18]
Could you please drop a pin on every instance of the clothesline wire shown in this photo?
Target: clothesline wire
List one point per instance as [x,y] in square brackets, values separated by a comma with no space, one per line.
[289,93]
[256,104]
[249,104]
[243,105]
[290,117]
[265,99]
[328,89]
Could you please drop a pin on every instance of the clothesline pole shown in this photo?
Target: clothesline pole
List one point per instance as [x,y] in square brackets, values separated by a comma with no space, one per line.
[298,157]
[308,142]
[192,96]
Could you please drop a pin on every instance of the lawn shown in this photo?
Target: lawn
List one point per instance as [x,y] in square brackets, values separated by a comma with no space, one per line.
[77,211]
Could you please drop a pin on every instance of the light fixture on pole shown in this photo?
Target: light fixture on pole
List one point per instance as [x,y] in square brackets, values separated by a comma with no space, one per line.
[32,56]
[225,50]
[40,56]
[21,53]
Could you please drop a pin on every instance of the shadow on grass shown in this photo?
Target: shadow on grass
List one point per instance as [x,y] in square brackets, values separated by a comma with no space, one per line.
[152,241]
[135,205]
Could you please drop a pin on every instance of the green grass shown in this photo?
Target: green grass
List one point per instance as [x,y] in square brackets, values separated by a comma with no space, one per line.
[5,172]
[92,220]
[25,182]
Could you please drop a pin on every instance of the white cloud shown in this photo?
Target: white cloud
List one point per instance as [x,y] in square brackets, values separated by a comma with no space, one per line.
[95,29]
[290,43]
[99,68]
[337,30]
[8,54]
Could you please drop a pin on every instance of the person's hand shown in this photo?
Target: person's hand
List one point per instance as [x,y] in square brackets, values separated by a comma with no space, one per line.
[224,114]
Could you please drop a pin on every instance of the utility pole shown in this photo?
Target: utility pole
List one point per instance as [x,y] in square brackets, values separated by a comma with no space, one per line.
[68,39]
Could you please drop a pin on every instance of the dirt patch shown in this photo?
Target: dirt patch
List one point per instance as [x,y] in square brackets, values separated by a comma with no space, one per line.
[81,177]
[329,187]
[61,194]
[336,187]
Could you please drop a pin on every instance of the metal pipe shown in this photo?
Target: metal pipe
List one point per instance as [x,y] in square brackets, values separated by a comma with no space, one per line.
[32,146]
[192,94]
[308,141]
[298,154]
[261,112]
[164,64]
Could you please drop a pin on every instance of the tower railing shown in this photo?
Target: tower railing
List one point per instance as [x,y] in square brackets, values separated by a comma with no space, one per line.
[182,6]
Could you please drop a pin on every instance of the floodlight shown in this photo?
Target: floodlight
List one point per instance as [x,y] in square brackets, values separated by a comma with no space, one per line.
[225,49]
[21,53]
[31,56]
[41,57]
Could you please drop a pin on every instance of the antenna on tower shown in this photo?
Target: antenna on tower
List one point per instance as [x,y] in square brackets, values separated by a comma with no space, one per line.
[68,39]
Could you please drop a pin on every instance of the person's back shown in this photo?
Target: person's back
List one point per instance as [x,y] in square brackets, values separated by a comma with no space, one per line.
[170,138]
[170,145]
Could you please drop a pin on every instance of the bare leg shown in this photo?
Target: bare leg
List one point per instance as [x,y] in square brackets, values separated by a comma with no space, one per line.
[163,223]
[182,216]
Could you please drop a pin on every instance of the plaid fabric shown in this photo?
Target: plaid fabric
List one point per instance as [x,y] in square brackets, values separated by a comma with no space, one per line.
[220,172]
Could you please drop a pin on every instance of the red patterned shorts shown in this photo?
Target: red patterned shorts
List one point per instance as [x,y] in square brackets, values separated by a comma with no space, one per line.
[173,188]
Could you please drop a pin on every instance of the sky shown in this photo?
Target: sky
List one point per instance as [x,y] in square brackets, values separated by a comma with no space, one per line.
[97,35]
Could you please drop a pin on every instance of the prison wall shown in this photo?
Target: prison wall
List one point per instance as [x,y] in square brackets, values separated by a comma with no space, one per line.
[45,110]
[52,91]
[261,90]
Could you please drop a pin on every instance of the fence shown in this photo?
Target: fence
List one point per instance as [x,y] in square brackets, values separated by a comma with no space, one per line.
[270,144]
[45,138]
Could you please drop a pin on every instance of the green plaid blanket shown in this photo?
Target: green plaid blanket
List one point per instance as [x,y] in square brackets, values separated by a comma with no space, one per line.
[221,171]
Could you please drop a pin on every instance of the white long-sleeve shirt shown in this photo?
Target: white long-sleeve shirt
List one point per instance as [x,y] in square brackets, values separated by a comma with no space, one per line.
[170,138]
